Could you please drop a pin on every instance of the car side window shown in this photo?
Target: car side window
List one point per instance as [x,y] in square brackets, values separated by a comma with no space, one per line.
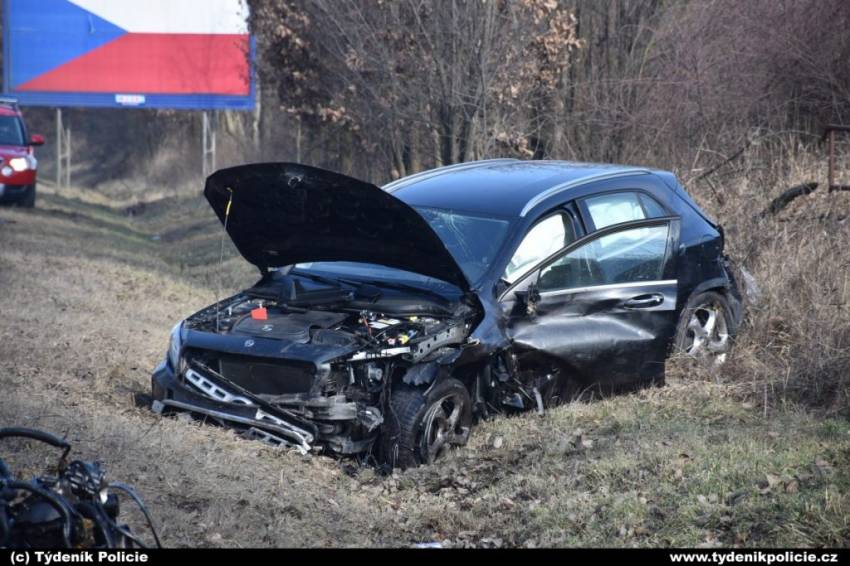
[628,256]
[651,207]
[615,208]
[544,239]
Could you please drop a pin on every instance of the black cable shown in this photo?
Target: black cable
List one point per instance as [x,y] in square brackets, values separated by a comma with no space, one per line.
[5,530]
[39,435]
[95,513]
[54,501]
[129,491]
[127,533]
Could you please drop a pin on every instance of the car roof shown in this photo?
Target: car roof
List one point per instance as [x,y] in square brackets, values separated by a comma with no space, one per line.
[6,110]
[500,187]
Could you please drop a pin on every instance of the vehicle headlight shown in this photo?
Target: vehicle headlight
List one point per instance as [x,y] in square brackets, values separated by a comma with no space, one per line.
[174,346]
[19,164]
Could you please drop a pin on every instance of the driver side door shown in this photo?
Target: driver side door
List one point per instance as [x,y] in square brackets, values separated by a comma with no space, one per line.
[605,307]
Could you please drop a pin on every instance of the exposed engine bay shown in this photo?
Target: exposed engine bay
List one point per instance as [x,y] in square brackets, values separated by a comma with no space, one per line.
[364,329]
[321,374]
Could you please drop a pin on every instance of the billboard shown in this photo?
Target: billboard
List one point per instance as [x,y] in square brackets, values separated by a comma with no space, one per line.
[190,54]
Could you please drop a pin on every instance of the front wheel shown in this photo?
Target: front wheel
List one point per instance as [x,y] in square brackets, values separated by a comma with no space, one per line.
[419,427]
[706,327]
[28,199]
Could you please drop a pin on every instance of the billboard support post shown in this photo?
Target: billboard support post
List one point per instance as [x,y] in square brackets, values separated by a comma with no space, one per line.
[63,152]
[208,144]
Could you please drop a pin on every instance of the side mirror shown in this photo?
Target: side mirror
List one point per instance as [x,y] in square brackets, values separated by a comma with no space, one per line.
[36,140]
[529,298]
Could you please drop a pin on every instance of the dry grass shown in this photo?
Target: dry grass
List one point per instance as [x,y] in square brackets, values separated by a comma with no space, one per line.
[88,297]
[796,344]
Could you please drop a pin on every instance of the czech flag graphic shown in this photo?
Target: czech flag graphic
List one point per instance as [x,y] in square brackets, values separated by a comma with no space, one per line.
[129,47]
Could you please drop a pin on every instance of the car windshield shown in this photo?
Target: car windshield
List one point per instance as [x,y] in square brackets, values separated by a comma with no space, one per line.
[11,132]
[472,240]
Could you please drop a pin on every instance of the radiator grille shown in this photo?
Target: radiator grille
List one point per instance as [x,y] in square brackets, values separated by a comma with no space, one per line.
[259,375]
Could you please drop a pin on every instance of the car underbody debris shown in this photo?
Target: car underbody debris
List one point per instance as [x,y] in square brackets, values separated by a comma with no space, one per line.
[77,508]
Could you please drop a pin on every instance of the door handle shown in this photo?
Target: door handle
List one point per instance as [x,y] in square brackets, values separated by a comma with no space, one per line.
[644,301]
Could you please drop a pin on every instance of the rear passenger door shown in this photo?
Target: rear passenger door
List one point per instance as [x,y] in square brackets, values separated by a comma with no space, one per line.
[606,305]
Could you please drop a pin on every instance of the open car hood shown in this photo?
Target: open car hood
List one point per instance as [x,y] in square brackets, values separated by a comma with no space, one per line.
[285,213]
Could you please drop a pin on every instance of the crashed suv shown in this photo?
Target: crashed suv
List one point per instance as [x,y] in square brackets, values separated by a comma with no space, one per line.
[387,319]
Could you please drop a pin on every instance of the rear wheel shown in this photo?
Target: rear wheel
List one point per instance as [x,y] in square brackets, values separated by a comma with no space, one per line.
[706,327]
[420,427]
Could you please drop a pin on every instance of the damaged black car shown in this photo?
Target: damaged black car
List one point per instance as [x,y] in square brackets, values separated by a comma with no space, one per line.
[386,320]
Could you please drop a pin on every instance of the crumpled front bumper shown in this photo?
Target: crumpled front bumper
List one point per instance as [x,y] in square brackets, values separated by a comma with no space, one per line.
[204,395]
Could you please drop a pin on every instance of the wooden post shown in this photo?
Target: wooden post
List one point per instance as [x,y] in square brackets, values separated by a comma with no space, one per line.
[831,159]
[208,144]
[63,152]
[58,147]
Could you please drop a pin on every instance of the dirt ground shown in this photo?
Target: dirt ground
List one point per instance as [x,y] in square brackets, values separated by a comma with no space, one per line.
[89,290]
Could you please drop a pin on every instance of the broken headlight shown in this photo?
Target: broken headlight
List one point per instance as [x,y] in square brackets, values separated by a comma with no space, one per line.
[174,346]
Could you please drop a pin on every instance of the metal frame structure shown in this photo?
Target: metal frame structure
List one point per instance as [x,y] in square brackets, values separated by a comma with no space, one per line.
[206,102]
[208,143]
[63,152]
[829,137]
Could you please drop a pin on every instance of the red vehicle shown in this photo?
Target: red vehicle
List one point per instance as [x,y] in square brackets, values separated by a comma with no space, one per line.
[18,165]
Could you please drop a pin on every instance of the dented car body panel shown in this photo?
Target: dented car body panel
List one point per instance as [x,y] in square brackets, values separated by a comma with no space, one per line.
[613,342]
[511,279]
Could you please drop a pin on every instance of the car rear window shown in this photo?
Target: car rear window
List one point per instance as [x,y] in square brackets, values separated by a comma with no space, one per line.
[616,208]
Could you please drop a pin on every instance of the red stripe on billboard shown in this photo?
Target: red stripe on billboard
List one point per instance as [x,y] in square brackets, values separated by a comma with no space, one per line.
[156,64]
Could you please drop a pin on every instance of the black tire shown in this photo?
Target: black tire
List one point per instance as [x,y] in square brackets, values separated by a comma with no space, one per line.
[414,420]
[697,336]
[28,200]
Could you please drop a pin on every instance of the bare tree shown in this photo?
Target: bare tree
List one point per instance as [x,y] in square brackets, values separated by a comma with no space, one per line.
[384,88]
[420,83]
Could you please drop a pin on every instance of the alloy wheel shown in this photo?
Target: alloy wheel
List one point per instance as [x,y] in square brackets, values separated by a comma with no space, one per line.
[707,333]
[443,426]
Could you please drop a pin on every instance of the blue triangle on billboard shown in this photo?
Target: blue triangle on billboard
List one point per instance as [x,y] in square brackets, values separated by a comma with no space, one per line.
[65,33]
